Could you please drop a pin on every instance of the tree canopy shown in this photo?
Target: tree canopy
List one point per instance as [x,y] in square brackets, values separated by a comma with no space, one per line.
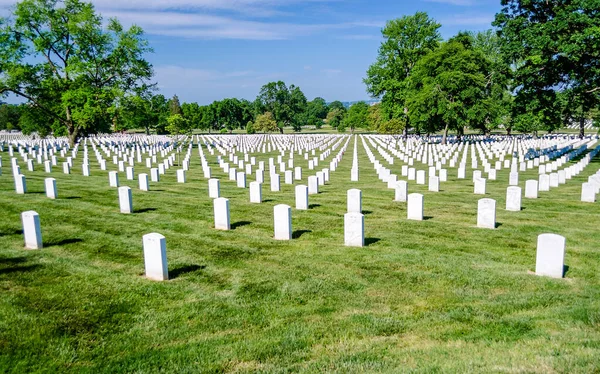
[57,56]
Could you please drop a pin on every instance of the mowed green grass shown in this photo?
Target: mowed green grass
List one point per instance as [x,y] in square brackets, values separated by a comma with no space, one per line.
[434,296]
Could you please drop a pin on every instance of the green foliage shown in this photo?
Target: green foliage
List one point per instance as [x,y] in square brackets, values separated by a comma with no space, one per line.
[356,116]
[316,112]
[447,87]
[57,56]
[392,126]
[175,106]
[250,128]
[284,103]
[374,117]
[10,116]
[335,117]
[177,125]
[336,105]
[266,123]
[554,46]
[145,111]
[406,41]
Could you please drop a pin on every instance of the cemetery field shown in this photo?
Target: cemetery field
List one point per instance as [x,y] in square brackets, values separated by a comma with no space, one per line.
[438,295]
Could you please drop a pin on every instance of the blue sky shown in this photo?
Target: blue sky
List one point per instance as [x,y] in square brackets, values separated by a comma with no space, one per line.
[206,50]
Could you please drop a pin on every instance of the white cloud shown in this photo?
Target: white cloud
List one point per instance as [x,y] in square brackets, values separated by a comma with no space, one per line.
[454,2]
[468,20]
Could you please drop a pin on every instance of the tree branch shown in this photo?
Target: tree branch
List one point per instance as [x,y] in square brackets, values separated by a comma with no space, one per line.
[34,101]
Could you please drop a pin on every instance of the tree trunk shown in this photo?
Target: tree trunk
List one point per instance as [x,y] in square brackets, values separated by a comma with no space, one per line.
[581,127]
[445,134]
[281,130]
[73,132]
[508,131]
[147,130]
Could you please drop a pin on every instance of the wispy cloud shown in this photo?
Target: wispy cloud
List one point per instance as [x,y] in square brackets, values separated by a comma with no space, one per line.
[468,20]
[454,2]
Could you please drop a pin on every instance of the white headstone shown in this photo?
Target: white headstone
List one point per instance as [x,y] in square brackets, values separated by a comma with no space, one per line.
[214,188]
[415,207]
[420,176]
[313,185]
[113,178]
[588,192]
[20,184]
[154,175]
[255,192]
[550,255]
[354,229]
[354,201]
[125,200]
[50,184]
[181,177]
[241,179]
[282,217]
[155,257]
[401,191]
[434,184]
[275,183]
[302,197]
[513,179]
[32,231]
[513,199]
[486,213]
[531,189]
[143,182]
[130,173]
[221,210]
[479,186]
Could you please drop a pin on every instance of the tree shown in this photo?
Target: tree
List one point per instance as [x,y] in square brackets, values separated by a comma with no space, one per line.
[175,106]
[177,125]
[284,103]
[447,86]
[357,116]
[56,55]
[496,106]
[555,49]
[10,116]
[193,113]
[375,117]
[316,112]
[406,41]
[335,117]
[266,123]
[337,105]
[392,126]
[144,111]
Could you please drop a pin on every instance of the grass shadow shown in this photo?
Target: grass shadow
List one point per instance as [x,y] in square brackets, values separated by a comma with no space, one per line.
[240,224]
[369,241]
[298,233]
[498,224]
[365,212]
[427,218]
[565,270]
[63,242]
[12,260]
[72,197]
[15,232]
[178,271]
[312,206]
[268,201]
[19,269]
[144,210]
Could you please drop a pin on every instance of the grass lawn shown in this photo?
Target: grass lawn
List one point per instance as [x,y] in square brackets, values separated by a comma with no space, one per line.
[438,295]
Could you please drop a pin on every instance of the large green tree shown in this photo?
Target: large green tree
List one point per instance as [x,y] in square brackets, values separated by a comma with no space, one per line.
[356,116]
[284,103]
[316,112]
[555,46]
[447,87]
[57,56]
[406,41]
[145,111]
